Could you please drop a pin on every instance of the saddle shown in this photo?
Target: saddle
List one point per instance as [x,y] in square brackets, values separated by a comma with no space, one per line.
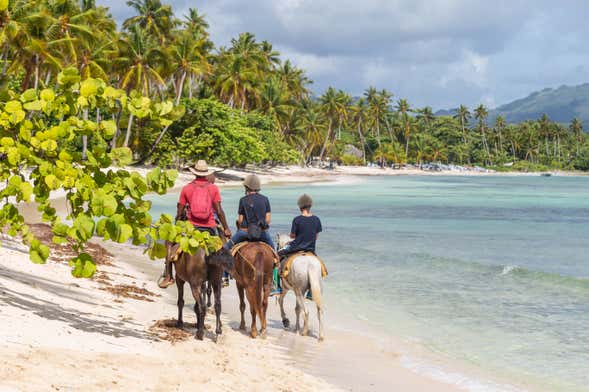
[287,263]
[237,247]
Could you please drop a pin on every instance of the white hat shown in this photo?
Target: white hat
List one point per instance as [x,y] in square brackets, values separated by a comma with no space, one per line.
[201,169]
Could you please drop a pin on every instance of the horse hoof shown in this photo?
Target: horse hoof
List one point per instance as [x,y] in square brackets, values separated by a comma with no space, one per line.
[242,327]
[179,324]
[321,338]
[286,323]
[305,333]
[200,335]
[218,331]
[253,335]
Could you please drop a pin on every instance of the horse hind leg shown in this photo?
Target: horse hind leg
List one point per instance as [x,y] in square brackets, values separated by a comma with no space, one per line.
[241,306]
[217,292]
[299,306]
[209,290]
[180,303]
[285,320]
[251,298]
[199,310]
[264,309]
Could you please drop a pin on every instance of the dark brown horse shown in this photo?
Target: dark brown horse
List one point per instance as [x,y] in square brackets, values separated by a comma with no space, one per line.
[197,270]
[252,272]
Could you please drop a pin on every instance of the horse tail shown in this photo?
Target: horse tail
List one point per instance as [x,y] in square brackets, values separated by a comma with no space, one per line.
[259,265]
[314,275]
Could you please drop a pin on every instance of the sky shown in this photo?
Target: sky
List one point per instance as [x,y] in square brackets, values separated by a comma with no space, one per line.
[438,53]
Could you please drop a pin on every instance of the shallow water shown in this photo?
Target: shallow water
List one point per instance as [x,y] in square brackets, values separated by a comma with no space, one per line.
[490,271]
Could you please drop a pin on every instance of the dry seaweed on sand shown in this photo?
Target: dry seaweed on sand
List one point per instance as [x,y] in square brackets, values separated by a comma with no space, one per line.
[64,252]
[167,330]
[130,291]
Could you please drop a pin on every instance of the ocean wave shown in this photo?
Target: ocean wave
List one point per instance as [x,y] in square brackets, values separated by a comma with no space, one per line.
[509,268]
[454,378]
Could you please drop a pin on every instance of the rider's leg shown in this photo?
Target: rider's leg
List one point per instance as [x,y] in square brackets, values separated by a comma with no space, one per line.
[168,280]
[239,236]
[267,238]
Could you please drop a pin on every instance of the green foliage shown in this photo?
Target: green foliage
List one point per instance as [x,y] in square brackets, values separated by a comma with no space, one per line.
[35,135]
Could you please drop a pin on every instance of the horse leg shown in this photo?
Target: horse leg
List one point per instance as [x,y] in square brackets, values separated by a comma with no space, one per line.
[209,294]
[241,306]
[180,303]
[285,320]
[251,298]
[199,309]
[298,308]
[217,290]
[265,296]
[319,314]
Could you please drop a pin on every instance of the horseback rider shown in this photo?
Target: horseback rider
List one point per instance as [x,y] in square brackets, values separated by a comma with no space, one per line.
[253,220]
[304,232]
[199,201]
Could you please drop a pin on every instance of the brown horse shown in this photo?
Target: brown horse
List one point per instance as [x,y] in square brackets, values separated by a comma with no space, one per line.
[197,270]
[252,272]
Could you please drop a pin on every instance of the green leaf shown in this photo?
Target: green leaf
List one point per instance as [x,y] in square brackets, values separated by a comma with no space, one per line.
[3,5]
[12,107]
[167,231]
[84,226]
[52,182]
[68,77]
[38,253]
[109,128]
[47,95]
[34,105]
[7,142]
[157,251]
[89,87]
[26,190]
[125,233]
[13,156]
[121,156]
[83,266]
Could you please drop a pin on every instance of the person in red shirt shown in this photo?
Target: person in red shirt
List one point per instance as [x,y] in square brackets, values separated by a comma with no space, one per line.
[199,201]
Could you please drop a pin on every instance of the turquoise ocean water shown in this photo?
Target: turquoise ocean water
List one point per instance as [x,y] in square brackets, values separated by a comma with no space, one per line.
[490,271]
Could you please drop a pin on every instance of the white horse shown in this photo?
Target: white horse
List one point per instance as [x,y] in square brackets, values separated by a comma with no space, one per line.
[304,275]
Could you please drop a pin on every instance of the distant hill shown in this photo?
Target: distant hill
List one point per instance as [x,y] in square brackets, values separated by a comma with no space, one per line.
[561,104]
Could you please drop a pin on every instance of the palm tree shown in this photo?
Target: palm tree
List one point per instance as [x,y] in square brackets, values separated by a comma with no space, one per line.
[403,108]
[426,116]
[153,17]
[140,61]
[576,128]
[500,125]
[359,113]
[463,115]
[189,59]
[378,107]
[330,107]
[481,113]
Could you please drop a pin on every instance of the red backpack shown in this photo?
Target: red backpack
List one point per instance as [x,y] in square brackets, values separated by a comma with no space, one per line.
[201,203]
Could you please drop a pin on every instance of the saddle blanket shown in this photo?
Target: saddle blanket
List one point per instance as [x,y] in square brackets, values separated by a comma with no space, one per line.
[290,258]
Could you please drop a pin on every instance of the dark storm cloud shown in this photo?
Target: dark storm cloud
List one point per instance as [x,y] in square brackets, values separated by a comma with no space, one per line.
[433,52]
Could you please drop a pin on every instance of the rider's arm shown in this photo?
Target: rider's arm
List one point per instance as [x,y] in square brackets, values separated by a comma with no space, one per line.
[179,210]
[268,216]
[239,221]
[221,215]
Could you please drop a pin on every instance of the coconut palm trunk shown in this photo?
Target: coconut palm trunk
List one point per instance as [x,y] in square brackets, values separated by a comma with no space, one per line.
[128,134]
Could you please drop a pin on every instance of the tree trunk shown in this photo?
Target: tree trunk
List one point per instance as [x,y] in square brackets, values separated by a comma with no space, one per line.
[128,134]
[190,86]
[152,150]
[47,78]
[179,93]
[362,142]
[36,71]
[327,137]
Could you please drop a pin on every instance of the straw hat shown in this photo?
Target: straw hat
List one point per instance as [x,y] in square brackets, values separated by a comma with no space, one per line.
[201,169]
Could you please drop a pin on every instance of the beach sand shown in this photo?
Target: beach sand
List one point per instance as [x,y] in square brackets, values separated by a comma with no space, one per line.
[63,333]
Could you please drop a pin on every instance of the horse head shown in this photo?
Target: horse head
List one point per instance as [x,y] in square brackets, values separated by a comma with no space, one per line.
[282,239]
[223,258]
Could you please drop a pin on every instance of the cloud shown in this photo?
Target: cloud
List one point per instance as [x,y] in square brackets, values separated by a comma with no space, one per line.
[433,52]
